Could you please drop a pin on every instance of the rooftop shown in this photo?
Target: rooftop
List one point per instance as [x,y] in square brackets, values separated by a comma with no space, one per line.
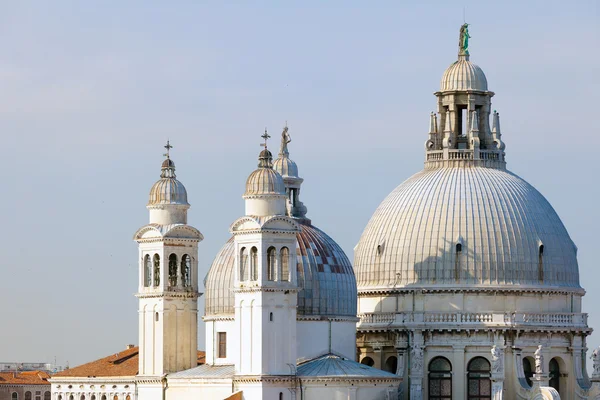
[24,378]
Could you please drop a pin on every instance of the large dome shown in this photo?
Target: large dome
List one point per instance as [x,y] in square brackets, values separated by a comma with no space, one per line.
[325,276]
[465,226]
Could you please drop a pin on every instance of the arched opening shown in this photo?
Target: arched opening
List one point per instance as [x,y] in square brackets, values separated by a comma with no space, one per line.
[156,317]
[156,270]
[391,364]
[116,397]
[186,270]
[479,382]
[440,378]
[147,271]
[367,361]
[82,397]
[270,317]
[379,250]
[27,395]
[541,263]
[14,396]
[93,397]
[173,270]
[458,247]
[103,397]
[528,369]
[254,263]
[457,261]
[128,397]
[280,395]
[244,264]
[71,397]
[554,369]
[47,396]
[285,264]
[271,263]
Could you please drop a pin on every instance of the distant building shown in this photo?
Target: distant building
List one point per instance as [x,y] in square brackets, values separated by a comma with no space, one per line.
[26,385]
[9,366]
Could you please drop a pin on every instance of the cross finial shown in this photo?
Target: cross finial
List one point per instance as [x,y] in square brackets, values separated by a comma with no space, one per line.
[265,136]
[168,147]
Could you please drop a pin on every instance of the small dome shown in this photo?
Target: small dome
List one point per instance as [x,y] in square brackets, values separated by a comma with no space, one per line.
[168,191]
[168,163]
[286,167]
[325,276]
[463,75]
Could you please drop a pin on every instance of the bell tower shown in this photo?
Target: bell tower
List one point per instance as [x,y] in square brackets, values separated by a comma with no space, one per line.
[168,281]
[265,284]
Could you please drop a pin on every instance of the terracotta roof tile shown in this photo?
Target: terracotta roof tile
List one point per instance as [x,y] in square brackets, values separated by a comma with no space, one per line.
[24,378]
[235,396]
[124,363]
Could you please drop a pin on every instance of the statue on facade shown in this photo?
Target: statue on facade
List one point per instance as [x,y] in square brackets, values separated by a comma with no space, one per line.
[416,360]
[497,360]
[539,360]
[285,139]
[596,362]
[463,41]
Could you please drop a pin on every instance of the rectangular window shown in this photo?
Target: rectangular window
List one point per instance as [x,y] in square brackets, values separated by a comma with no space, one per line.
[222,338]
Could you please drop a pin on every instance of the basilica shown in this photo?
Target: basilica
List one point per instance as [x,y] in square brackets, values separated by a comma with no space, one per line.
[464,285]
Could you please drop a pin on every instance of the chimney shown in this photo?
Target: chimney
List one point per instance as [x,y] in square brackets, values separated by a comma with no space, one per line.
[129,346]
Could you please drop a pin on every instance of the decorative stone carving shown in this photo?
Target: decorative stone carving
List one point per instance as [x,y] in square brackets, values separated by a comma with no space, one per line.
[497,360]
[416,360]
[596,363]
[539,360]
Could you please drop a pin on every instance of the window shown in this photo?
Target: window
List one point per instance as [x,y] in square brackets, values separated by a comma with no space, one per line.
[156,270]
[71,397]
[27,395]
[271,267]
[458,247]
[244,264]
[82,397]
[285,264]
[479,383]
[103,397]
[271,317]
[254,263]
[440,378]
[222,338]
[391,364]
[156,317]
[128,397]
[14,396]
[367,361]
[457,261]
[541,263]
[554,374]
[172,270]
[47,396]
[147,271]
[527,370]
[116,397]
[93,397]
[280,395]
[186,270]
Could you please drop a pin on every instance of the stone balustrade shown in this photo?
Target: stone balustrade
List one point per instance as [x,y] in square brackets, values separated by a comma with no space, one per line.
[516,319]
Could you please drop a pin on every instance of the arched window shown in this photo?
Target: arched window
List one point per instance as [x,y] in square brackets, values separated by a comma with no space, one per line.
[128,397]
[93,397]
[103,397]
[156,270]
[116,397]
[391,364]
[271,317]
[541,263]
[186,270]
[27,395]
[47,396]
[271,263]
[280,395]
[555,374]
[71,397]
[285,264]
[82,397]
[254,263]
[479,383]
[367,361]
[173,270]
[527,370]
[147,271]
[440,378]
[60,397]
[244,264]
[14,396]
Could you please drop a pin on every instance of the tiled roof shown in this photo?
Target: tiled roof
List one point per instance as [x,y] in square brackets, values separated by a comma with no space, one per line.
[24,378]
[236,396]
[124,363]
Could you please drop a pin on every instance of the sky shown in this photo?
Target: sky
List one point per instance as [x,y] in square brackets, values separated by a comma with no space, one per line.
[90,92]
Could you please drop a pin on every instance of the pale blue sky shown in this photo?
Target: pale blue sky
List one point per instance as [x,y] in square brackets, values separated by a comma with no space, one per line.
[89,92]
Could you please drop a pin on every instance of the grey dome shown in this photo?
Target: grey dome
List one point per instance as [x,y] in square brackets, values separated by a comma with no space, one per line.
[463,75]
[168,190]
[264,181]
[325,276]
[286,167]
[499,220]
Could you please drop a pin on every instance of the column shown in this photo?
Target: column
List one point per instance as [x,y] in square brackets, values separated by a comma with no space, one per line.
[459,372]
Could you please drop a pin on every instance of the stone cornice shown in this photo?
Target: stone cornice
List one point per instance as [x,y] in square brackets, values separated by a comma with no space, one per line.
[367,292]
[254,289]
[62,380]
[301,318]
[263,378]
[168,295]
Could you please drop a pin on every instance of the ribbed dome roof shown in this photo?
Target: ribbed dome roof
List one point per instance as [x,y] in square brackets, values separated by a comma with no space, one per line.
[463,75]
[168,190]
[264,181]
[324,274]
[499,220]
[286,167]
